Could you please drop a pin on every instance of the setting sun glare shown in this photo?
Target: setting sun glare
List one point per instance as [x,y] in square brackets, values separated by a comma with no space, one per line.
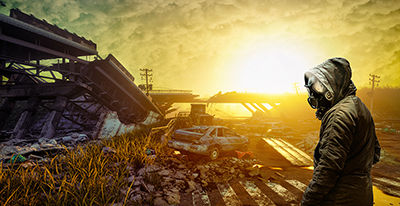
[270,68]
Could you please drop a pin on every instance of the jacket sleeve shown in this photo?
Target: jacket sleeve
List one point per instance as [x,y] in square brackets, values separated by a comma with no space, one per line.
[335,142]
[377,154]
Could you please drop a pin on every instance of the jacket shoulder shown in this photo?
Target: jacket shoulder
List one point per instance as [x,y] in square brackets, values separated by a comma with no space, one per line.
[344,110]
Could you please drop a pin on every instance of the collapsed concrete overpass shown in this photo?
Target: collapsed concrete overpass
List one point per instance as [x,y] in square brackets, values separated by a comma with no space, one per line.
[49,87]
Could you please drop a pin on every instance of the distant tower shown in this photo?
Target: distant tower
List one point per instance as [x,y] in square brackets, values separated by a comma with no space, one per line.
[147,74]
[374,79]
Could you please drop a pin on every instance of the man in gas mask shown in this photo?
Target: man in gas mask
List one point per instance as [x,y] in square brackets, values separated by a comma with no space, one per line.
[347,146]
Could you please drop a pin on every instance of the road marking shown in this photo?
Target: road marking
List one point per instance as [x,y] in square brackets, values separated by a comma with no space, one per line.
[297,184]
[200,198]
[228,195]
[259,197]
[301,153]
[295,154]
[283,192]
[390,191]
[293,160]
[388,181]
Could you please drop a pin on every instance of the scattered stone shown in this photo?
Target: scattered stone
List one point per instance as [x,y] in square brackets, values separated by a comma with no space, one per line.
[159,201]
[173,198]
[35,147]
[137,198]
[52,141]
[179,175]
[191,186]
[254,172]
[151,188]
[107,150]
[42,140]
[164,172]
[131,179]
[67,139]
[152,168]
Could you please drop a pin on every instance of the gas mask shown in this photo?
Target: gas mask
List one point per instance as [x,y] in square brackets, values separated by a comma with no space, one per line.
[318,96]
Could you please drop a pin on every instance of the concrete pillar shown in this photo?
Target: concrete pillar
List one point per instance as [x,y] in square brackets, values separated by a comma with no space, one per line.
[25,119]
[258,109]
[50,126]
[262,107]
[248,108]
[5,110]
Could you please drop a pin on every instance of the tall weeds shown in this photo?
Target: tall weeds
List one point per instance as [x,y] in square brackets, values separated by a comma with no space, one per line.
[84,176]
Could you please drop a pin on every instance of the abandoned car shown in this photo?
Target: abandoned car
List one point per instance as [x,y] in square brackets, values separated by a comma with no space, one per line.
[207,140]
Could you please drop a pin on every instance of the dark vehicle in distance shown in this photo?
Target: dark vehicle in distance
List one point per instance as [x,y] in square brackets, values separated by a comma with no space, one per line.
[207,140]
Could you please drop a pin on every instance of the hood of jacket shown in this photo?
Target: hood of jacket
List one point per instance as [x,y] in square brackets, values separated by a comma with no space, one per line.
[335,75]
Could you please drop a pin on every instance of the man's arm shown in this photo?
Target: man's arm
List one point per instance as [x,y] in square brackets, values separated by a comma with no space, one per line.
[335,146]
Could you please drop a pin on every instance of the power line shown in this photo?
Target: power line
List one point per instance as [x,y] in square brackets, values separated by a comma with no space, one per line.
[374,79]
[147,74]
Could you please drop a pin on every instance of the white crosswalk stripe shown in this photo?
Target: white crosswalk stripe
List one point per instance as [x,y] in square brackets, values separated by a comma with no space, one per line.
[230,198]
[388,181]
[259,197]
[297,184]
[283,192]
[200,198]
[284,153]
[301,153]
[290,152]
[228,195]
[387,190]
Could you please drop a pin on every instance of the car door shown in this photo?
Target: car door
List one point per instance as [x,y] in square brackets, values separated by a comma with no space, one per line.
[235,140]
[222,141]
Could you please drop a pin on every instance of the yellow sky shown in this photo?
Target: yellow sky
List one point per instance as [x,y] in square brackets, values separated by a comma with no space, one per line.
[225,45]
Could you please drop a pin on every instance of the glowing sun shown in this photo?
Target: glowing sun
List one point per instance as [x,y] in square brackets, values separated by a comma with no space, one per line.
[270,68]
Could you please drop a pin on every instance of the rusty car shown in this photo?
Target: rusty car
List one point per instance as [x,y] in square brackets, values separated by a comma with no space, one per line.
[207,140]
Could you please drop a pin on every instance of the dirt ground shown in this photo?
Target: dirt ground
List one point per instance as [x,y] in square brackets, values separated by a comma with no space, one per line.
[276,170]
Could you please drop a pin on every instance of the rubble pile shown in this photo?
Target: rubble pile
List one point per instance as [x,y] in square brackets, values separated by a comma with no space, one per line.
[41,146]
[163,182]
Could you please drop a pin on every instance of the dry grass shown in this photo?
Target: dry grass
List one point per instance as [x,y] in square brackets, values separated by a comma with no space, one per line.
[83,176]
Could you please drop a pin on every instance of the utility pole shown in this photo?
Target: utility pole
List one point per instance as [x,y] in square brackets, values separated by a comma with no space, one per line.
[374,79]
[147,74]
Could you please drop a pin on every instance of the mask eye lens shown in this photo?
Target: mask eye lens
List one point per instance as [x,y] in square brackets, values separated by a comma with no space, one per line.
[313,102]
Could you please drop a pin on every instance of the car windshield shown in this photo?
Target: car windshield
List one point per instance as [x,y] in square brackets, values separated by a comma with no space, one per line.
[230,133]
[197,130]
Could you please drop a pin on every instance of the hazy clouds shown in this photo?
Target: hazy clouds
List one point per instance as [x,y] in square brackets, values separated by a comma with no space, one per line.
[183,40]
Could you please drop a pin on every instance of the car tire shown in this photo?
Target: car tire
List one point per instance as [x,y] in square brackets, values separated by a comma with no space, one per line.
[214,153]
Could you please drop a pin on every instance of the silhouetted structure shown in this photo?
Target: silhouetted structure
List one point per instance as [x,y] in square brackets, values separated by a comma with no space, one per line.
[48,89]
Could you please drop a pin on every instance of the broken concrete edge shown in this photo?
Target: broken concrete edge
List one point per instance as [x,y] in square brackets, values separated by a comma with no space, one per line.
[111,126]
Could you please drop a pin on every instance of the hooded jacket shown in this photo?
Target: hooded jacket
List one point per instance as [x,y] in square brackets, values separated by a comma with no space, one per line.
[347,147]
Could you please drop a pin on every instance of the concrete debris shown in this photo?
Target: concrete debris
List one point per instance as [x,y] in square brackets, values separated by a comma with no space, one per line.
[159,201]
[163,182]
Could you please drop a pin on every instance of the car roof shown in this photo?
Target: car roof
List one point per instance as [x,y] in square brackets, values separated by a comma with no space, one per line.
[206,127]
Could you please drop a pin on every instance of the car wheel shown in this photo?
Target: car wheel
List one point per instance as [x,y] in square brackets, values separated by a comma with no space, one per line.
[214,153]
